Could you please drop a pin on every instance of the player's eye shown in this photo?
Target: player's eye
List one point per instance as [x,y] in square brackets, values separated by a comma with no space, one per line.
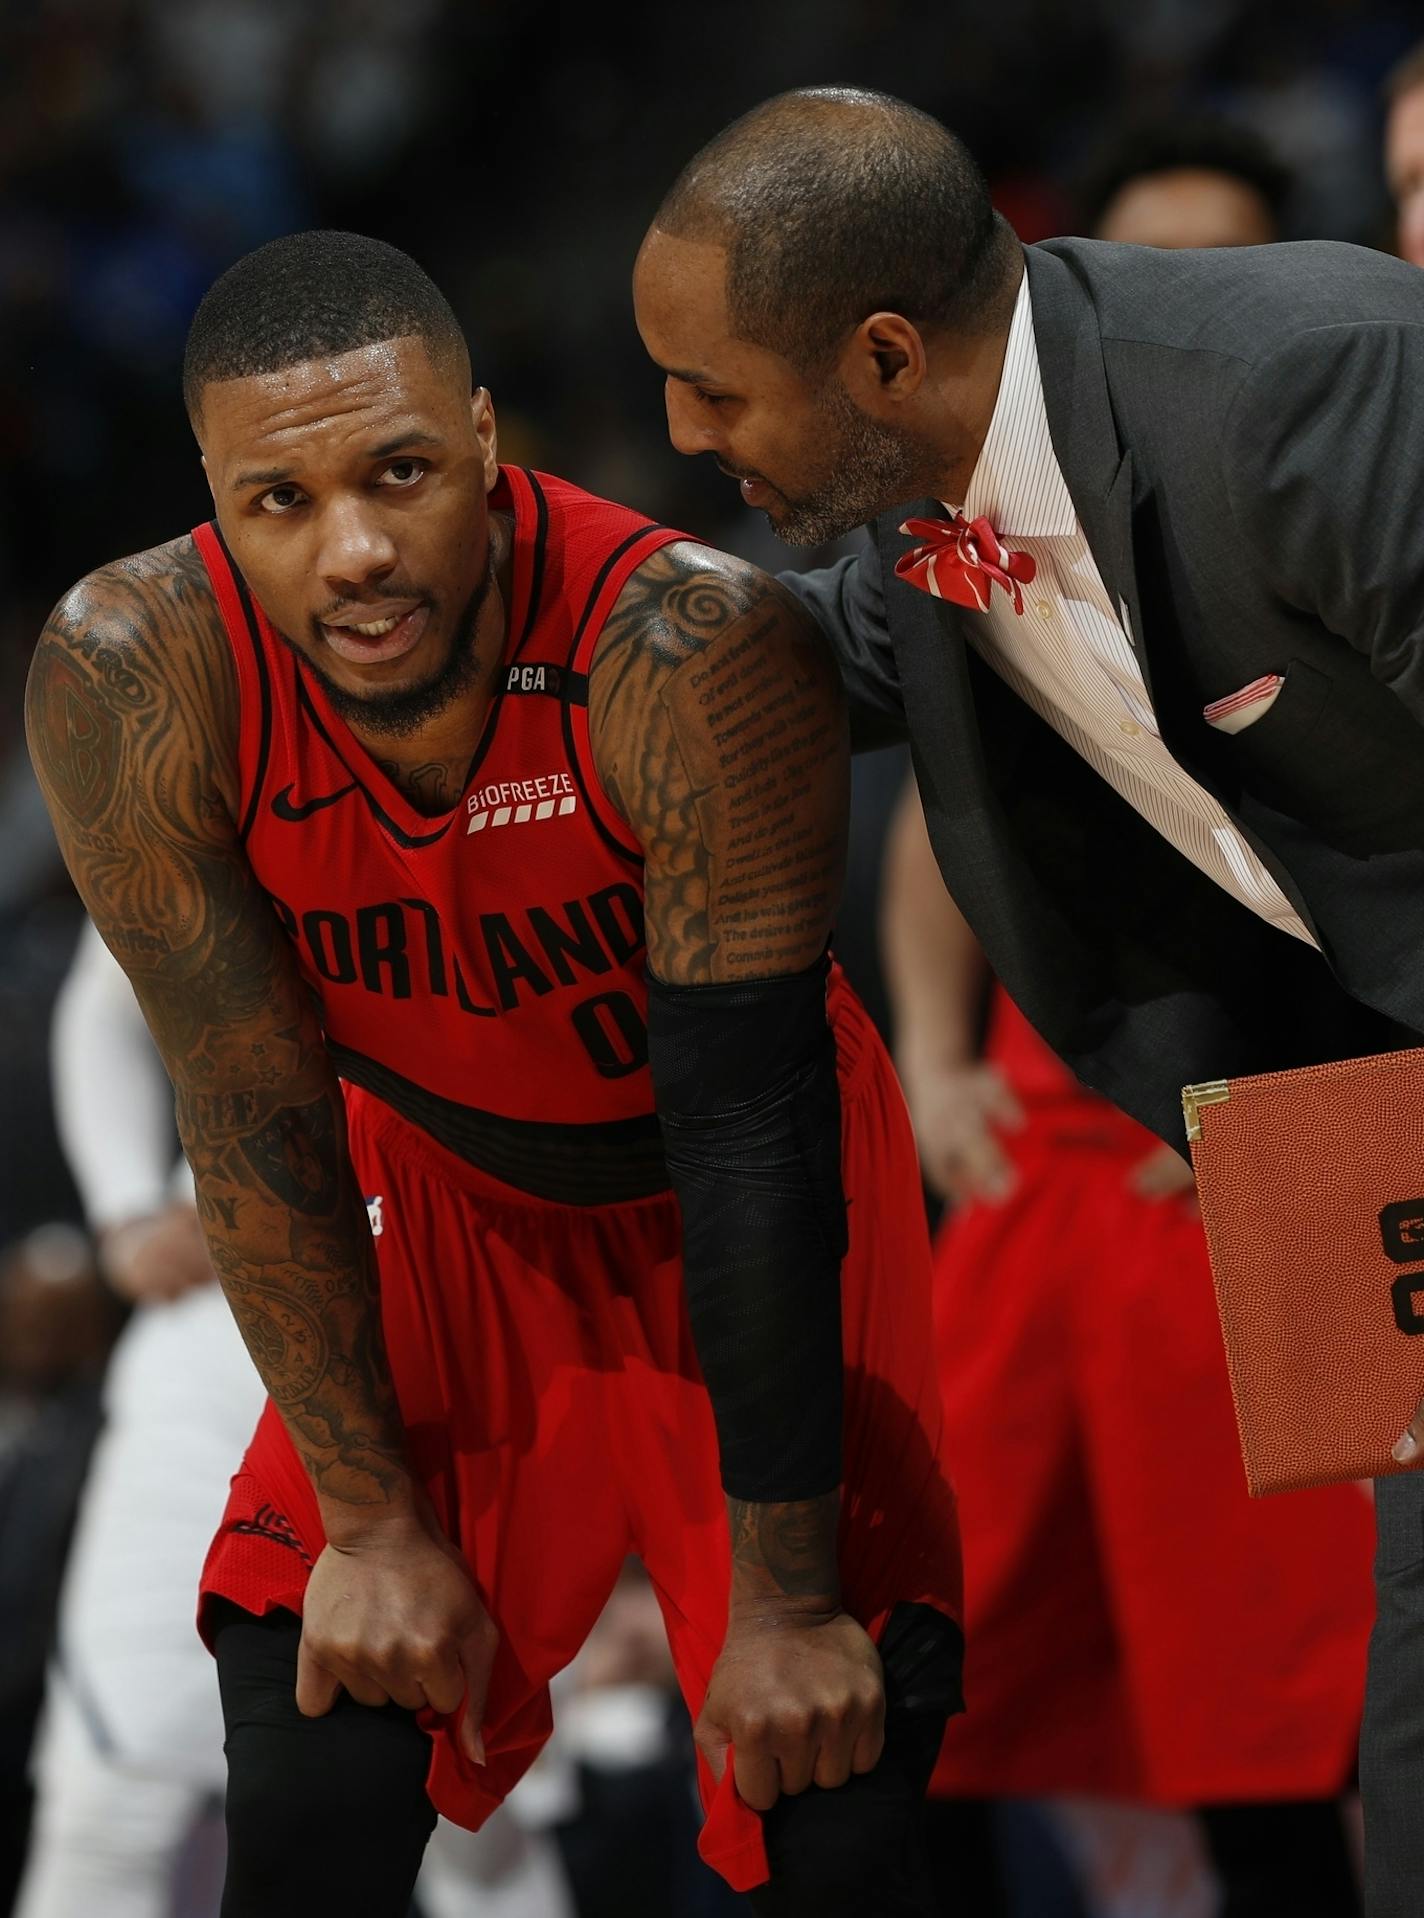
[711,399]
[402,473]
[280,499]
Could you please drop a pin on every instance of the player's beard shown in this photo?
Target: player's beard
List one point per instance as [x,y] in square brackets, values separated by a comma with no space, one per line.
[401,712]
[870,468]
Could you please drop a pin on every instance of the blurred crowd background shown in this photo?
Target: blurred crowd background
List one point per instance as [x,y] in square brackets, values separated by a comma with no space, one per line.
[517,150]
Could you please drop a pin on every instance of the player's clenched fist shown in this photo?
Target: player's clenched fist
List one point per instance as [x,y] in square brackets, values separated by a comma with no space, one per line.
[800,1700]
[394,1617]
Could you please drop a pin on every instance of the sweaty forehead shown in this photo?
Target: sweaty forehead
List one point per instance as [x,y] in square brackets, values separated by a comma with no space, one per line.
[680,294]
[370,386]
[680,302]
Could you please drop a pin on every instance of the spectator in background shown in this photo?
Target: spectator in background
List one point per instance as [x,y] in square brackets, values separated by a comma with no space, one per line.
[1076,1318]
[1404,152]
[130,1750]
[56,1326]
[1191,182]
[631,1848]
[130,1753]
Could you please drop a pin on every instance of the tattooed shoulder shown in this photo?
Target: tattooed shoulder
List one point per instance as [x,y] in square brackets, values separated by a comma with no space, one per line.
[135,649]
[719,733]
[131,716]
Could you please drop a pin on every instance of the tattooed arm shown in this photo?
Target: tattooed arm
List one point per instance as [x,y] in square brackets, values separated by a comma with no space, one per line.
[132,719]
[719,733]
[132,725]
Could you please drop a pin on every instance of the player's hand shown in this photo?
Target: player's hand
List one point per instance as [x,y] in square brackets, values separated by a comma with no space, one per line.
[800,1700]
[393,1616]
[958,1112]
[1163,1174]
[158,1257]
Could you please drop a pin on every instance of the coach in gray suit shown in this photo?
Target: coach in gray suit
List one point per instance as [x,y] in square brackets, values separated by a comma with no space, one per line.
[1170,740]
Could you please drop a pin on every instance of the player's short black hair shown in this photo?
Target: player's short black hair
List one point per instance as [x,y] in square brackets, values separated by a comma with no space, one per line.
[310,295]
[834,203]
[1199,142]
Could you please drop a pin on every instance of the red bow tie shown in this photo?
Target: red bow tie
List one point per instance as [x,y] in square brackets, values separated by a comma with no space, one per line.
[962,560]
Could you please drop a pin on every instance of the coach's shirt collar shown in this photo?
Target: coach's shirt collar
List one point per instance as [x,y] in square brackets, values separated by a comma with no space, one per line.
[1017,483]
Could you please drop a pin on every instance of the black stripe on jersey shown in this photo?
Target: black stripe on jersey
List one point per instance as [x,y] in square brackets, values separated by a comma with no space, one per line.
[547,682]
[411,841]
[624,546]
[264,682]
[531,615]
[609,839]
[600,1164]
[536,574]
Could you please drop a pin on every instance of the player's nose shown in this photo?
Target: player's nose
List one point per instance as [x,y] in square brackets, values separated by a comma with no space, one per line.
[355,546]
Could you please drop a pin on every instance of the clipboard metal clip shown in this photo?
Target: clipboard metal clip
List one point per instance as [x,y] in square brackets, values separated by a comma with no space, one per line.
[1211,1092]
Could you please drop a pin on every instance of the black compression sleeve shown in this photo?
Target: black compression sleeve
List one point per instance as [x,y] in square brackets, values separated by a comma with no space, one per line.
[745,1081]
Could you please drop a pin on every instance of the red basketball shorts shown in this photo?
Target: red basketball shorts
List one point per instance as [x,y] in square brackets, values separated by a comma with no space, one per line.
[1137,1626]
[555,1413]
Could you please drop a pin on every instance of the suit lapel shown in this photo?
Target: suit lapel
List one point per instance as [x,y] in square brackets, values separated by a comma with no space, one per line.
[966,744]
[932,655]
[1112,548]
[1100,477]
[1098,474]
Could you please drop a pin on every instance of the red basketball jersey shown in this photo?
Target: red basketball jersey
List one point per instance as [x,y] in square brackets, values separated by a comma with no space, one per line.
[481,971]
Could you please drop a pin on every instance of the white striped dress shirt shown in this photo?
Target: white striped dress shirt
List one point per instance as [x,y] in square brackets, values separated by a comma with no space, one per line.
[1068,655]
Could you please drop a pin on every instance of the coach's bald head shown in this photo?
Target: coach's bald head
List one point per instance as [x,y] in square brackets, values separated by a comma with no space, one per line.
[827,286]
[833,201]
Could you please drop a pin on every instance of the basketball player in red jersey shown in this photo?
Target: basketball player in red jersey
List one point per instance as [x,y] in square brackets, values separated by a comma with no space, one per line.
[524,818]
[1076,1320]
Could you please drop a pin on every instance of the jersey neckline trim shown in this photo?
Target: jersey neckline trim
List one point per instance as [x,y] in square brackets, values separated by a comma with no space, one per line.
[405,823]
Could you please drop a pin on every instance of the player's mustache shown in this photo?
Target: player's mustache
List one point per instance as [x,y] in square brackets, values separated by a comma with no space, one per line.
[334,615]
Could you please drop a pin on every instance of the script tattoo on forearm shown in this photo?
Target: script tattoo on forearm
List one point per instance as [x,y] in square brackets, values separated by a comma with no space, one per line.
[784,1551]
[132,718]
[717,722]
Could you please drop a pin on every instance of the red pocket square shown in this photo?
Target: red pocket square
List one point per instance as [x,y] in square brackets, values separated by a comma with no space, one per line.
[1237,710]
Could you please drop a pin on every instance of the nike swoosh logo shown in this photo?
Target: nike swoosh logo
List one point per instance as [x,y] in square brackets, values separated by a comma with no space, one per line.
[284,809]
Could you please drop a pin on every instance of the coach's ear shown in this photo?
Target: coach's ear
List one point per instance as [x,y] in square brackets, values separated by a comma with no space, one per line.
[487,433]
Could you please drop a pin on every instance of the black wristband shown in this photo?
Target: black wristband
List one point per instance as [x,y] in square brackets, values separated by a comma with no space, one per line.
[745,1081]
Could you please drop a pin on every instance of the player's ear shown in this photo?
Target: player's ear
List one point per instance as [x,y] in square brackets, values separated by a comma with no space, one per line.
[487,433]
[203,462]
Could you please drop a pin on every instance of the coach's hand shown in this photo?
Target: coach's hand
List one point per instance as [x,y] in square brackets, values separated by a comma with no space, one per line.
[1162,1174]
[1408,1448]
[799,1697]
[157,1256]
[959,1114]
[393,1615]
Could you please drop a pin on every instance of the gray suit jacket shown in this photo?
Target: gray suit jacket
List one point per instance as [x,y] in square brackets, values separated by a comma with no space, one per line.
[1242,434]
